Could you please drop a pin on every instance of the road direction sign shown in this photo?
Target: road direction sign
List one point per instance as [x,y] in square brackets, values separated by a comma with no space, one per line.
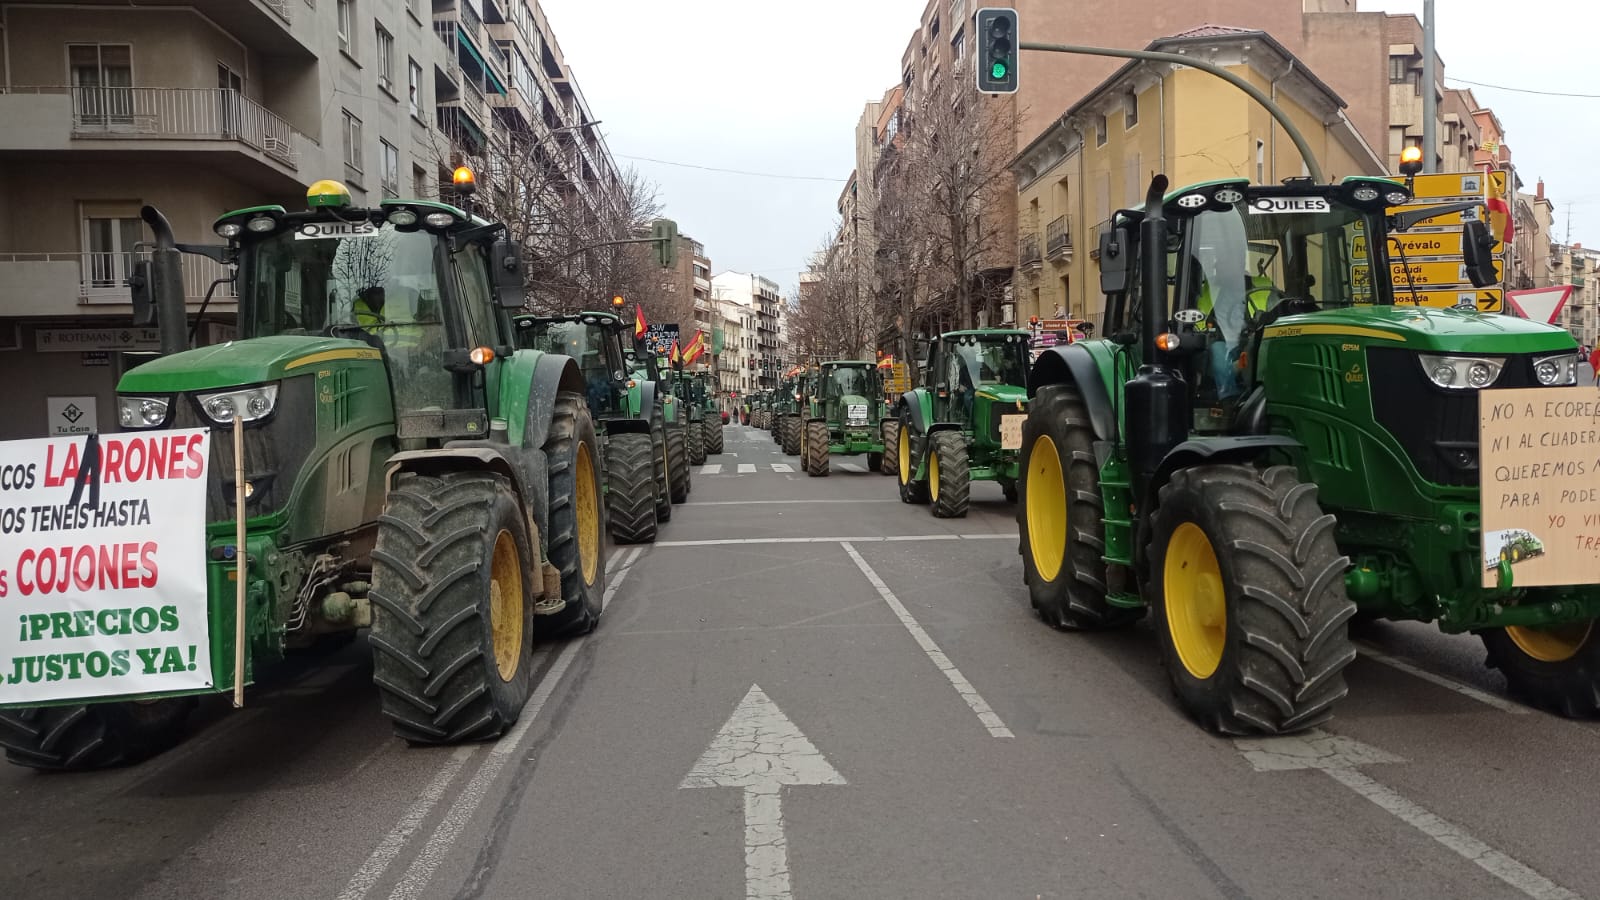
[1431,274]
[1541,304]
[1484,299]
[1448,185]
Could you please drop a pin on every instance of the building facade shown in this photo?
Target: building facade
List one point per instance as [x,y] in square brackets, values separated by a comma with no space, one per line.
[1578,266]
[764,359]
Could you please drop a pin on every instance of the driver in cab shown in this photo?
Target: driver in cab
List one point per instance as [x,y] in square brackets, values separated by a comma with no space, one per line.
[1225,297]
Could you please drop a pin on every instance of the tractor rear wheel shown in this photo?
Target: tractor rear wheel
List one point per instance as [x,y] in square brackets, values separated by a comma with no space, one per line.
[713,436]
[93,736]
[949,476]
[1062,540]
[576,547]
[1555,668]
[1009,489]
[696,439]
[631,494]
[662,467]
[791,435]
[906,465]
[816,448]
[874,462]
[1249,599]
[890,433]
[778,425]
[678,457]
[452,607]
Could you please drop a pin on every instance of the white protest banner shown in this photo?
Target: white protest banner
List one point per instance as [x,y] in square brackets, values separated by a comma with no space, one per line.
[102,566]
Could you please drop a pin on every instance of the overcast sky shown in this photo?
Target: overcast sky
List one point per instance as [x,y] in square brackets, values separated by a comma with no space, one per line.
[754,86]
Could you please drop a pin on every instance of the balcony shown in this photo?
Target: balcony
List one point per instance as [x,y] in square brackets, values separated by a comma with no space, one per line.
[1028,252]
[72,283]
[1058,239]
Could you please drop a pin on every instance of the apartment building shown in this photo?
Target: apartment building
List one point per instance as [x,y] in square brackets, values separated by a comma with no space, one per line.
[760,297]
[204,106]
[1578,266]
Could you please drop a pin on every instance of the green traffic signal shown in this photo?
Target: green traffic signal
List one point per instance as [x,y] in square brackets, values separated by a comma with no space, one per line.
[998,70]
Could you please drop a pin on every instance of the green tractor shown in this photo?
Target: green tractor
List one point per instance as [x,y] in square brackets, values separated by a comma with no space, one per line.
[953,432]
[844,417]
[795,397]
[689,389]
[406,467]
[704,392]
[1516,546]
[629,422]
[646,368]
[1259,449]
[785,411]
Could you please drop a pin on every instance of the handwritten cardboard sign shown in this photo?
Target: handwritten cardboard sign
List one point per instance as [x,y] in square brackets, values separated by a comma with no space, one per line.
[1539,472]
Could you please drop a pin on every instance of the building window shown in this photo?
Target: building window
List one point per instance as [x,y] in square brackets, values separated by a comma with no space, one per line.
[414,90]
[391,169]
[102,83]
[419,181]
[352,141]
[1130,109]
[109,242]
[958,46]
[1100,131]
[1398,69]
[385,60]
[347,23]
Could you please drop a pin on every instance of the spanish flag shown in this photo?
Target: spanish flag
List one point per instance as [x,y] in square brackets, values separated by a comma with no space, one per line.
[695,348]
[674,356]
[639,326]
[1501,222]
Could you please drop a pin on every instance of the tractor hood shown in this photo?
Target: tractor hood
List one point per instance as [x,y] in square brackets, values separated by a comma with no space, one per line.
[1004,393]
[253,361]
[1428,330]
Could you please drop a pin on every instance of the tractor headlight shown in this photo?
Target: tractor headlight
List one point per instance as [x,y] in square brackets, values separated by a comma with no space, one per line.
[142,412]
[247,405]
[1462,373]
[1562,369]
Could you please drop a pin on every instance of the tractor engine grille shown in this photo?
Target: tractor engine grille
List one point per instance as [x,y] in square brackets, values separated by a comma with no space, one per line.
[1437,427]
[275,450]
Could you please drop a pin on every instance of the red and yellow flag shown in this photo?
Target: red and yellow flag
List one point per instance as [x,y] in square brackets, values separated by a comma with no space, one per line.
[695,348]
[639,326]
[674,355]
[1501,222]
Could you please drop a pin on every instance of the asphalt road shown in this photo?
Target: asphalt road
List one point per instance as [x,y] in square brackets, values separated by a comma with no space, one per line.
[809,689]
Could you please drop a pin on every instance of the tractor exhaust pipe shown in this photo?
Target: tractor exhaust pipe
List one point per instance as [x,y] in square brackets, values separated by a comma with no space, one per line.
[1158,399]
[166,283]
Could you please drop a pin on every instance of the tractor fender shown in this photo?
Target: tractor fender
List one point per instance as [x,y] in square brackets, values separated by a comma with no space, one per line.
[916,410]
[1073,363]
[1210,451]
[647,401]
[523,467]
[553,374]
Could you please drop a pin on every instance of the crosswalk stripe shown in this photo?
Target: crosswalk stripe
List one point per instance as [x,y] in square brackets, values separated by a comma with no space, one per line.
[782,467]
[746,468]
[711,469]
[851,467]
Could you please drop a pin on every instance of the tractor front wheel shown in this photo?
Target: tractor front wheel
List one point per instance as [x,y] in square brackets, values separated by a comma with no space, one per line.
[1555,668]
[678,461]
[631,494]
[1249,599]
[94,736]
[890,433]
[696,439]
[574,528]
[906,465]
[874,462]
[816,448]
[713,437]
[791,435]
[949,477]
[662,467]
[452,607]
[1059,511]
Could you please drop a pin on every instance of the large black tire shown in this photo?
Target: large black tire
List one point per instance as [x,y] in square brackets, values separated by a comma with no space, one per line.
[891,447]
[791,435]
[713,436]
[678,460]
[96,736]
[576,546]
[949,475]
[661,467]
[816,449]
[695,437]
[874,462]
[779,423]
[452,607]
[1062,540]
[1252,548]
[631,492]
[905,445]
[1557,668]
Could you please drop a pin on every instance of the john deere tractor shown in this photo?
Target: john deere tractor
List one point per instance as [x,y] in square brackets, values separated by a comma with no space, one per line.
[1268,440]
[951,432]
[785,411]
[845,416]
[711,414]
[406,467]
[690,390]
[646,367]
[630,427]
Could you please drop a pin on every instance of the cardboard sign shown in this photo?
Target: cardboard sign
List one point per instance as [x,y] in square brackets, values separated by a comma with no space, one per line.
[102,566]
[1011,431]
[1539,473]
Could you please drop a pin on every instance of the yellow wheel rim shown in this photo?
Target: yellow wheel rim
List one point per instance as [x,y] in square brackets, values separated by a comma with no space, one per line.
[588,517]
[933,474]
[505,605]
[1557,643]
[903,452]
[1045,505]
[1197,606]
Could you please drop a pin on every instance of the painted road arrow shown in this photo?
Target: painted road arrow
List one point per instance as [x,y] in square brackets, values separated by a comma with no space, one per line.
[760,750]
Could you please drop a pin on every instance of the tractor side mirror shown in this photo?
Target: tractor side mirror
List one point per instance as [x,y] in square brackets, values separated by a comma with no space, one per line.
[144,296]
[505,258]
[1114,259]
[1477,250]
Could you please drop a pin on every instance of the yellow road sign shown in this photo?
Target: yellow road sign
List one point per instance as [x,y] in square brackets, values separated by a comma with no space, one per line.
[1475,214]
[1485,299]
[1497,184]
[1456,184]
[1419,245]
[1431,274]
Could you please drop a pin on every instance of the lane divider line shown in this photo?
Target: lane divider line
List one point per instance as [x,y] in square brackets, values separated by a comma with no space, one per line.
[1449,684]
[970,694]
[867,539]
[390,846]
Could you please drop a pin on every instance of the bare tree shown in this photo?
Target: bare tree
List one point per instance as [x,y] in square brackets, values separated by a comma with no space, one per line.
[836,318]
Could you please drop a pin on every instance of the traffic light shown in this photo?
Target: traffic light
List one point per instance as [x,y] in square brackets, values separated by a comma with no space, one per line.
[665,233]
[997,51]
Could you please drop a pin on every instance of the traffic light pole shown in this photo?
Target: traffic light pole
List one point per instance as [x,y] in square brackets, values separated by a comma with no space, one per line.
[1255,93]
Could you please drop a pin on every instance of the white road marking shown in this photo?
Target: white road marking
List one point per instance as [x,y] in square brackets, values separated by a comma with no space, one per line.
[865,539]
[712,469]
[782,467]
[781,502]
[1337,757]
[746,468]
[1449,684]
[986,715]
[389,847]
[852,467]
[761,750]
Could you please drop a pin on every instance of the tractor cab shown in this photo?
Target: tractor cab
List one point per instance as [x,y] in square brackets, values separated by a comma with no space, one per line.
[594,339]
[966,365]
[849,395]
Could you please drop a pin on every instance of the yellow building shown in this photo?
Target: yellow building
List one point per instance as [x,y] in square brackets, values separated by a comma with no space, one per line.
[1150,118]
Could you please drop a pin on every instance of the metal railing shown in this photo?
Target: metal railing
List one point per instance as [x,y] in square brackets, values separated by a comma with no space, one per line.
[148,113]
[103,276]
[1058,236]
[471,19]
[1028,250]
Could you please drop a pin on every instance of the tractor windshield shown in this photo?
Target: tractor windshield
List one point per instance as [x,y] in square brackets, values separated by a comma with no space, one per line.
[845,381]
[587,345]
[996,361]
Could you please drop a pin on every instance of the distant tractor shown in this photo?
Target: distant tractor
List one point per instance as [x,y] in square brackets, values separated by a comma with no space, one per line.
[644,367]
[1266,441]
[406,468]
[711,415]
[953,431]
[844,416]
